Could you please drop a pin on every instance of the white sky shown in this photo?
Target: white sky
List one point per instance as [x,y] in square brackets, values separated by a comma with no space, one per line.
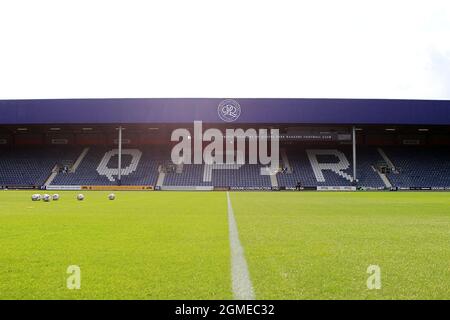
[230,48]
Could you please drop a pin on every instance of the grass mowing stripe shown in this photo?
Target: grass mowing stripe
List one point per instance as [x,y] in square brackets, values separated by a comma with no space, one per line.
[242,285]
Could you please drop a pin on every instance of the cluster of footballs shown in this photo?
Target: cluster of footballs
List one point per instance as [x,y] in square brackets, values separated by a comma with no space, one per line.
[47,197]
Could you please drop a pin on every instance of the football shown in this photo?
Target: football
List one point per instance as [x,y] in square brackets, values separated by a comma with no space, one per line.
[36,197]
[55,196]
[80,197]
[111,196]
[46,197]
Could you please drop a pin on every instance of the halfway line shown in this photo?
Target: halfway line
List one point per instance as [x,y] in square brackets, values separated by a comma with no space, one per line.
[240,277]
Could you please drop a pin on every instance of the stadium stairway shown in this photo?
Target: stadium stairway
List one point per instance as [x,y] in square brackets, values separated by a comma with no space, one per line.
[52,176]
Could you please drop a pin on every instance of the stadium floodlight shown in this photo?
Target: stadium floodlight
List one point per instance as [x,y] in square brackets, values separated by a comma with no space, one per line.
[46,197]
[111,196]
[56,196]
[80,197]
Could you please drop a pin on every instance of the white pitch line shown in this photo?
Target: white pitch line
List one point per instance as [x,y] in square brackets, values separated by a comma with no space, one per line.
[240,277]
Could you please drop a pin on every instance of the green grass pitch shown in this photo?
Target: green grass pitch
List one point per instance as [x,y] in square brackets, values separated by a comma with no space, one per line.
[175,245]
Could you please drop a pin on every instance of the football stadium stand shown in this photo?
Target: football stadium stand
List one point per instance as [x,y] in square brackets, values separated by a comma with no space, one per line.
[416,167]
[323,143]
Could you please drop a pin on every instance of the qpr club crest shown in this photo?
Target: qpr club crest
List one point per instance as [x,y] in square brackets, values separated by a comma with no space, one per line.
[229,110]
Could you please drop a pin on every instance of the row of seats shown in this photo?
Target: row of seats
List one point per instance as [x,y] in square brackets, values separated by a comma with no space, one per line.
[414,167]
[99,167]
[31,166]
[419,167]
[219,175]
[331,167]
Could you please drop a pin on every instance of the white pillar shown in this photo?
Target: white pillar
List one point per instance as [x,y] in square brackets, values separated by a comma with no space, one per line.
[120,156]
[354,153]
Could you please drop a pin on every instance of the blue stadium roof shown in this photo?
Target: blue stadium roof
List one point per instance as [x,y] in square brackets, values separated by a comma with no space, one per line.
[180,110]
